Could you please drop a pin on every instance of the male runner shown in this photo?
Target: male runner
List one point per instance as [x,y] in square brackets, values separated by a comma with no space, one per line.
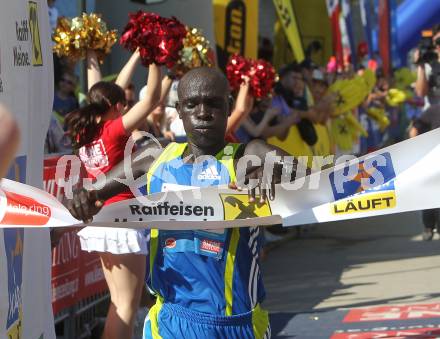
[208,284]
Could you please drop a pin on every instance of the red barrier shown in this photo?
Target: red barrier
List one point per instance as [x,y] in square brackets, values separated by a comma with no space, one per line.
[76,275]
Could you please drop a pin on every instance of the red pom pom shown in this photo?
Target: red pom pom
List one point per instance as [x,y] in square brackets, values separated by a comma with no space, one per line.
[236,69]
[262,79]
[138,27]
[261,75]
[159,39]
[172,32]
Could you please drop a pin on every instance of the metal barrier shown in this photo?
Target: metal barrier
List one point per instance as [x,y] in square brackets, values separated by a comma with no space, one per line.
[81,320]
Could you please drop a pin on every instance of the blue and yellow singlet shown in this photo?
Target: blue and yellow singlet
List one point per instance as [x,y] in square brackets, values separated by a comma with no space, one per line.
[207,272]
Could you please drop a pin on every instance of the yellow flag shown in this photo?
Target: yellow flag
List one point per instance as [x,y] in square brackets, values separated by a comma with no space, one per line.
[395,97]
[288,20]
[236,29]
[341,134]
[323,144]
[350,94]
[379,115]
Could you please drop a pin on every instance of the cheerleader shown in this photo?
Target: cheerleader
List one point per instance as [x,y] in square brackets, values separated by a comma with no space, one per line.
[99,133]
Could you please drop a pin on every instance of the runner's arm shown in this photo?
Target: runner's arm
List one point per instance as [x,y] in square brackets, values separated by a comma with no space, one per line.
[85,204]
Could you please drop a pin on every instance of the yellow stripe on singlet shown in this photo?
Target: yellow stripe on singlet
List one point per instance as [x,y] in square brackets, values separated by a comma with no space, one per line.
[229,269]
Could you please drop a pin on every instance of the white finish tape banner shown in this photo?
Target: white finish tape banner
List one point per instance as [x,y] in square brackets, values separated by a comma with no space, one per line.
[400,178]
[410,176]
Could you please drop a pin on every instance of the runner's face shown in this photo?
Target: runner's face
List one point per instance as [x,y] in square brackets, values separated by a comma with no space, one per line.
[203,107]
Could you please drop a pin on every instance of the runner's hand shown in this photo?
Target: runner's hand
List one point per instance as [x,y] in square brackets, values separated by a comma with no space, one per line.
[256,179]
[84,205]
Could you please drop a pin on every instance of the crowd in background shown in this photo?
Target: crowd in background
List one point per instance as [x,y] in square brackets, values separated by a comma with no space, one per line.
[300,98]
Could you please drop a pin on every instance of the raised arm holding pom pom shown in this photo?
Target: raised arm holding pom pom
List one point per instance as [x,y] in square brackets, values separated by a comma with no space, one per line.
[93,70]
[126,73]
[243,106]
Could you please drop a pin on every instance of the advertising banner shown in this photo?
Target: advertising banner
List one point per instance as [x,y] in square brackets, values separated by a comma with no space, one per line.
[287,18]
[236,29]
[26,88]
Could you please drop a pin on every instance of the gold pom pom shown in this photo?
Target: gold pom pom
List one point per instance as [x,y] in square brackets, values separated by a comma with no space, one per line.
[195,51]
[73,37]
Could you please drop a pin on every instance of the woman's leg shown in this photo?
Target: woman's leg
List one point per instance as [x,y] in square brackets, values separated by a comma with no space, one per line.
[125,274]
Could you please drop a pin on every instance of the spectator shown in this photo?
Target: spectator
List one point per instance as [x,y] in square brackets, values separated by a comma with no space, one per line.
[430,119]
[261,122]
[130,96]
[265,49]
[57,139]
[158,125]
[291,100]
[64,100]
[319,85]
[176,124]
[290,90]
[428,71]
[323,99]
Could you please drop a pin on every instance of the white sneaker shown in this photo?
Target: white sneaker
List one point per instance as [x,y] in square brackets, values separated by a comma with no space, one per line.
[428,234]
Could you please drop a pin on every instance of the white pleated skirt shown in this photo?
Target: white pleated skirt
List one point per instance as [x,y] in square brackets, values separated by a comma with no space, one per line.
[114,240]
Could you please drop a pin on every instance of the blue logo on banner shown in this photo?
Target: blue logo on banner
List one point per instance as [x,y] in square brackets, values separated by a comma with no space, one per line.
[13,239]
[380,163]
[14,255]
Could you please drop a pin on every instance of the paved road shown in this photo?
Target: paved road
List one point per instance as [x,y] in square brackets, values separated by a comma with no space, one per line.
[356,264]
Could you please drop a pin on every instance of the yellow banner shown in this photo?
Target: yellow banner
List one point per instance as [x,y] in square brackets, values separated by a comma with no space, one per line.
[308,13]
[365,203]
[288,20]
[236,29]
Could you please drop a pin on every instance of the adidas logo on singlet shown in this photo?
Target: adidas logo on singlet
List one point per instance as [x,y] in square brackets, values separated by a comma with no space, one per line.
[209,173]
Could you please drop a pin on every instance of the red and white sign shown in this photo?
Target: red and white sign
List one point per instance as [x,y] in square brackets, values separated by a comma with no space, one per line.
[94,156]
[384,313]
[211,246]
[22,210]
[420,333]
